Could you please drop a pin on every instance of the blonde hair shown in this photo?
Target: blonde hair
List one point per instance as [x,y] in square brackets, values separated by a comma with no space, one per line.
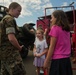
[41,30]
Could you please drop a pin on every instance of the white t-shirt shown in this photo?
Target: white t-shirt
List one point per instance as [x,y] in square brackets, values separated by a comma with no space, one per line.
[40,46]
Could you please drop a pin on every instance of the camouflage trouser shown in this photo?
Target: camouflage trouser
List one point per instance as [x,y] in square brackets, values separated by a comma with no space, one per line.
[13,65]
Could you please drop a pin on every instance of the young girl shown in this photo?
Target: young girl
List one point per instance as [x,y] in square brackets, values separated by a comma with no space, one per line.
[60,45]
[40,50]
[12,64]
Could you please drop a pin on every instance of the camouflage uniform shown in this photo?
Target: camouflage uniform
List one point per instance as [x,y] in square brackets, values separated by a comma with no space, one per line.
[12,64]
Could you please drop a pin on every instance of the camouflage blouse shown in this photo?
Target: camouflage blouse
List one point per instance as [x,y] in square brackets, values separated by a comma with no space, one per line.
[9,26]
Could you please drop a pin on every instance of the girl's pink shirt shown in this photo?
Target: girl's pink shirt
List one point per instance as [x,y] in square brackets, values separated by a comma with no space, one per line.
[63,43]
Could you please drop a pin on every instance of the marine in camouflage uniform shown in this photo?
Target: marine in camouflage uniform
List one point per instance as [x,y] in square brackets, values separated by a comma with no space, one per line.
[12,63]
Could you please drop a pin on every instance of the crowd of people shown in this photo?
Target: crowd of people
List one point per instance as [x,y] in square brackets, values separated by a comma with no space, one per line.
[58,52]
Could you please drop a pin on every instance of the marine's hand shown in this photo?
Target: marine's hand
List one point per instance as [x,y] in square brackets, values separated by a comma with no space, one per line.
[21,47]
[35,54]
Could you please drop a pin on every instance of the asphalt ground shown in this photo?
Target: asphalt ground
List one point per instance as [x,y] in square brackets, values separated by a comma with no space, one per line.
[28,63]
[30,68]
